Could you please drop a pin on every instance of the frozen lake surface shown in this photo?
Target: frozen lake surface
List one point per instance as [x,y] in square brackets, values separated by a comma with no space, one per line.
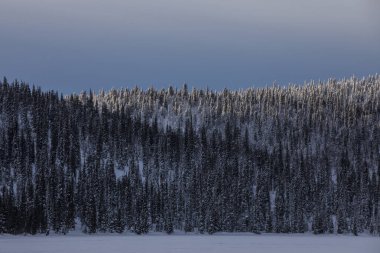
[242,243]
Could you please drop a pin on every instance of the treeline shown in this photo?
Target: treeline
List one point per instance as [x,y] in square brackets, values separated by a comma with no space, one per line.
[283,160]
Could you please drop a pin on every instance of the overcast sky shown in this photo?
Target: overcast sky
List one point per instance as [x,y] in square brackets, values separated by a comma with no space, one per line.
[72,45]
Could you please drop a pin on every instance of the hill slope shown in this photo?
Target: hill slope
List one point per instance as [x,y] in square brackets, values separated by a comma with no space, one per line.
[293,159]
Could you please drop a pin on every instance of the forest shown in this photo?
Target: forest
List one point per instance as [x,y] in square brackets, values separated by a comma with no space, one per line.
[293,159]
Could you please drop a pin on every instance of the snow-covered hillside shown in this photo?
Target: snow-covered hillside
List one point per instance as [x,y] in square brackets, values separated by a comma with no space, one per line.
[283,160]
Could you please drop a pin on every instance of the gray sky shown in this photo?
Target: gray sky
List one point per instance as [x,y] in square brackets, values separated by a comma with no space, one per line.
[71,45]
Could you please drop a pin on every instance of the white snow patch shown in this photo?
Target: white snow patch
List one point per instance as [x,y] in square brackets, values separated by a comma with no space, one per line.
[119,173]
[333,175]
[310,224]
[335,223]
[141,171]
[254,187]
[272,200]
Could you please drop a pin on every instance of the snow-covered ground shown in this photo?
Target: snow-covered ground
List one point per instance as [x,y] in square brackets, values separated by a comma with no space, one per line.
[220,243]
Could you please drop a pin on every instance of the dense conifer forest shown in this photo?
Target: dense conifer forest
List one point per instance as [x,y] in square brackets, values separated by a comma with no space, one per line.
[284,160]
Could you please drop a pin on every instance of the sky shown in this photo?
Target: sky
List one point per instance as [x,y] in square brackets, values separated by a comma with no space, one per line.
[75,45]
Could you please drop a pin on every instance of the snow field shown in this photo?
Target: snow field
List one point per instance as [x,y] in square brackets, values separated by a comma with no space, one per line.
[220,243]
